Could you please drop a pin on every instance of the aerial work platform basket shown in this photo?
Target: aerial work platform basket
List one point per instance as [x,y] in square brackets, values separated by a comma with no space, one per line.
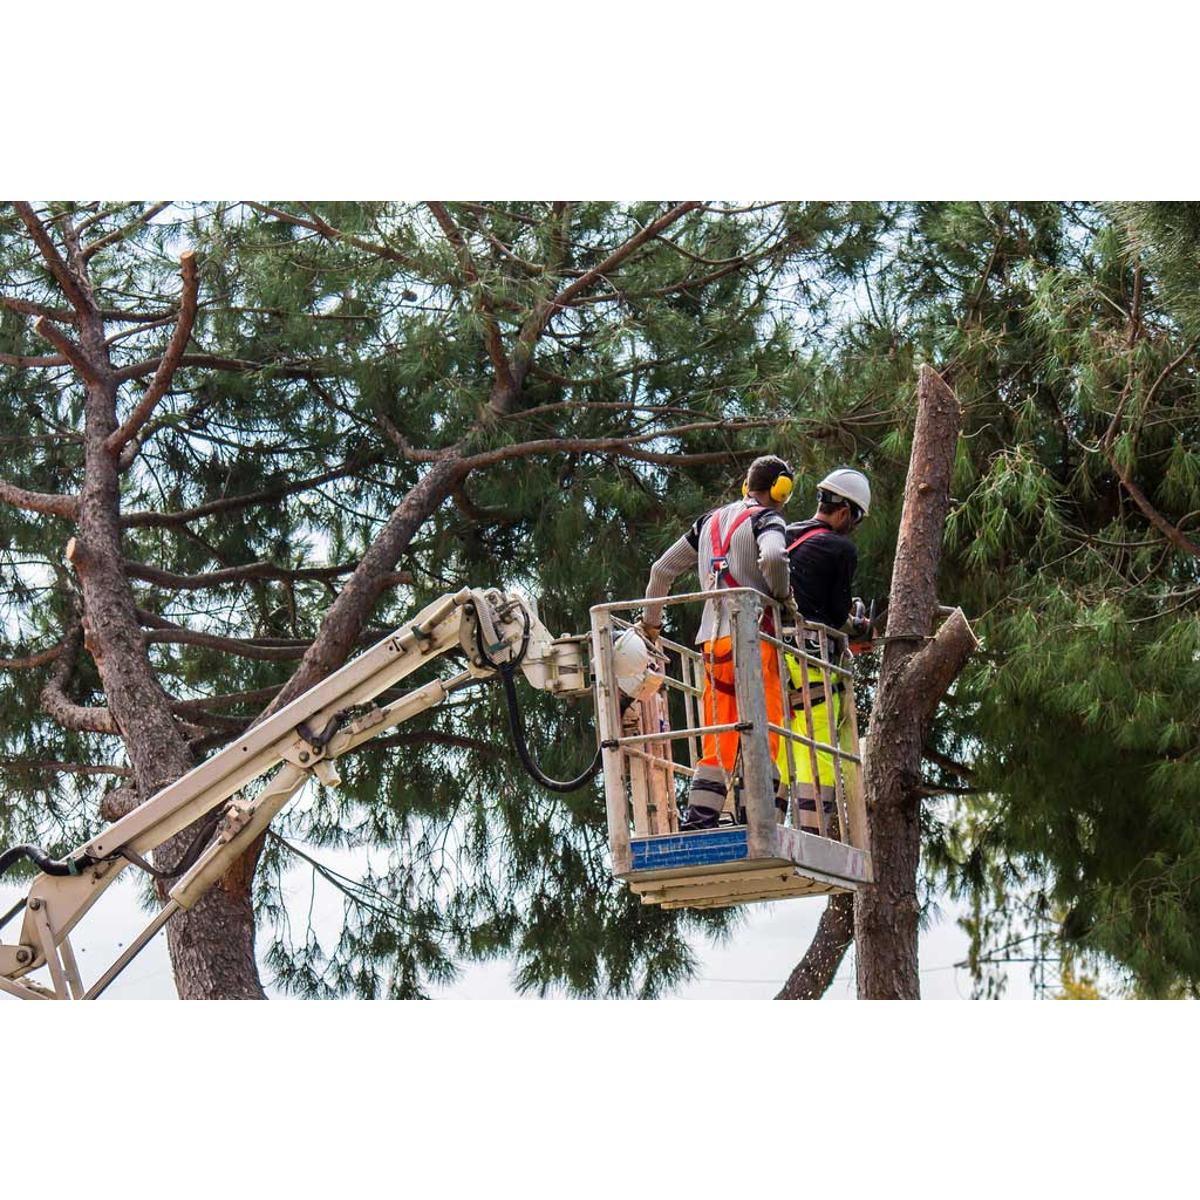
[762,853]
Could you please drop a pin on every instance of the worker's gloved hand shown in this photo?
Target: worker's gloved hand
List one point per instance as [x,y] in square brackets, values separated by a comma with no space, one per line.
[859,624]
[648,633]
[791,612]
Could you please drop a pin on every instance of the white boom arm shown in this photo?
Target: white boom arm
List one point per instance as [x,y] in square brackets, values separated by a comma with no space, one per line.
[303,738]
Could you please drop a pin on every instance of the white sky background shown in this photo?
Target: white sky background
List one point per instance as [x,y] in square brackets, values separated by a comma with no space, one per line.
[752,964]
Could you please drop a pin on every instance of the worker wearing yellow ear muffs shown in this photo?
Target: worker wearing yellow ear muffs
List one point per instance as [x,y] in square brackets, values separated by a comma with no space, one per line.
[822,561]
[737,545]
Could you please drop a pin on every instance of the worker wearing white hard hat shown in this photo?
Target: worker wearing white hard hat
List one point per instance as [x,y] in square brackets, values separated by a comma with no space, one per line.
[822,563]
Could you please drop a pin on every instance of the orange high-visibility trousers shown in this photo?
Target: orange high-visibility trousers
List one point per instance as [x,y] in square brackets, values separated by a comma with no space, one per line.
[719,703]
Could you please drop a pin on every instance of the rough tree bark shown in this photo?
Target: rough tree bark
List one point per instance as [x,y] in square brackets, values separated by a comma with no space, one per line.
[914,676]
[812,975]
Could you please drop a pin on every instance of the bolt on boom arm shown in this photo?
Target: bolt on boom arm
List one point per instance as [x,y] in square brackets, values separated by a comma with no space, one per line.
[498,631]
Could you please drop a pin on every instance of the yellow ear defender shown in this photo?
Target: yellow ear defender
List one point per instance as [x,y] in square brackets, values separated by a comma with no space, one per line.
[781,489]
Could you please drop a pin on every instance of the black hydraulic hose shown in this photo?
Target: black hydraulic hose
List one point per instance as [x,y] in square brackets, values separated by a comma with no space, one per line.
[43,861]
[190,855]
[506,671]
[518,737]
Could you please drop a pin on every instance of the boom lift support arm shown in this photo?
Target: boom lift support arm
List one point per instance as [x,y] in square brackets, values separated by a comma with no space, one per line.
[499,632]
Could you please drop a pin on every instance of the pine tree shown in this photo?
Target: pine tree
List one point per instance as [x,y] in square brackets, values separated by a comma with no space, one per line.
[327,415]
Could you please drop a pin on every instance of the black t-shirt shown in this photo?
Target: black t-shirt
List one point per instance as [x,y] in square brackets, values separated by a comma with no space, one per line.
[822,570]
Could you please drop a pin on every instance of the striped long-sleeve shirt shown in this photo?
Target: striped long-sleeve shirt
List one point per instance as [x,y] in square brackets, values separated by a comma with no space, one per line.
[757,558]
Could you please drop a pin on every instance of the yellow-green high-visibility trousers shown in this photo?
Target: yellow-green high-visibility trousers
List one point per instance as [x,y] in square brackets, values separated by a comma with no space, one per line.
[801,755]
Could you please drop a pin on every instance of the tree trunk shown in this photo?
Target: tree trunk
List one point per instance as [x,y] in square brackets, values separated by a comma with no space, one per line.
[913,678]
[814,973]
[212,945]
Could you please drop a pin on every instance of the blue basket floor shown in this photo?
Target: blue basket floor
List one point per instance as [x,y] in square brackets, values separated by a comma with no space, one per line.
[705,847]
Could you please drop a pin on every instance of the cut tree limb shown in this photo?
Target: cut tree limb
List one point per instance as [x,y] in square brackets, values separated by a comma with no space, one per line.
[70,351]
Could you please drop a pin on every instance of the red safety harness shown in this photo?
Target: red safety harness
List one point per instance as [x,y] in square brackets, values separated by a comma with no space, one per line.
[719,563]
[808,533]
[720,546]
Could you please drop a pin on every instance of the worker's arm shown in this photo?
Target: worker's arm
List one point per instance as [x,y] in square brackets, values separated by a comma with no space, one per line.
[665,571]
[773,559]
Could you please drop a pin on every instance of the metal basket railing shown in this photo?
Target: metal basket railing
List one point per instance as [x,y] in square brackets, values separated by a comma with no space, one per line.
[642,770]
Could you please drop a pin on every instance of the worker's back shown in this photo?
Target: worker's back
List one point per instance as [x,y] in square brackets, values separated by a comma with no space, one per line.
[822,565]
[753,550]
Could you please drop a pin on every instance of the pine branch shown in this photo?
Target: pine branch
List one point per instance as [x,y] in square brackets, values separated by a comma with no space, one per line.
[240,647]
[491,331]
[622,252]
[119,235]
[503,401]
[38,659]
[218,362]
[169,362]
[26,764]
[320,226]
[239,574]
[60,706]
[1171,532]
[949,764]
[78,297]
[53,504]
[28,308]
[147,518]
[812,975]
[626,446]
[226,700]
[70,350]
[25,361]
[434,737]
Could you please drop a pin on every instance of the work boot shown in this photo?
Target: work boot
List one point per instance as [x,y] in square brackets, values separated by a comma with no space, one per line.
[696,817]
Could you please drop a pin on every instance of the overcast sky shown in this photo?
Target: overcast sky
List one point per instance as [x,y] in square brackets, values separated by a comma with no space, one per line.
[750,965]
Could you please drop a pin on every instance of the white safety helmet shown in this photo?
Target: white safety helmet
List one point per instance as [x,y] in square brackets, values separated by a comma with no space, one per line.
[636,676]
[848,484]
